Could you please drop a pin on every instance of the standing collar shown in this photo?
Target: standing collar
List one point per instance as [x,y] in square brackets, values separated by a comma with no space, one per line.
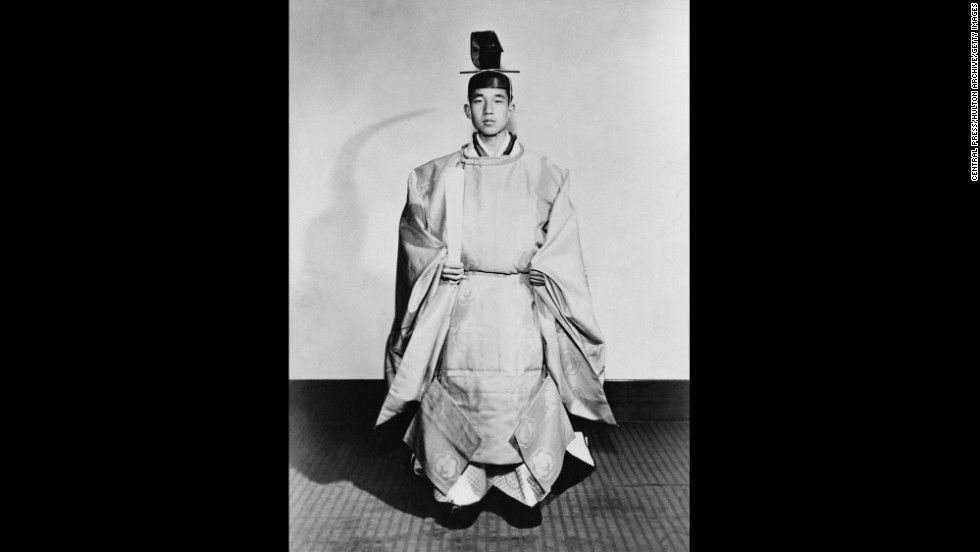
[510,150]
[505,145]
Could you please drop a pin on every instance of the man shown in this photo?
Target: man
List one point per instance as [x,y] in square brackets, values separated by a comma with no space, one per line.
[494,332]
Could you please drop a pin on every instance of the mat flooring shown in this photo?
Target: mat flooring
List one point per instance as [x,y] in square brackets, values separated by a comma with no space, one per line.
[350,489]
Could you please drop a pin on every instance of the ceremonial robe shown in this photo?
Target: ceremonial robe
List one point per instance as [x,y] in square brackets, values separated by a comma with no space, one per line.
[494,361]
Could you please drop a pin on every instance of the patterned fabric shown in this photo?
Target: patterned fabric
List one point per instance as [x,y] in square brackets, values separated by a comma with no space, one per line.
[515,481]
[495,361]
[544,434]
[443,437]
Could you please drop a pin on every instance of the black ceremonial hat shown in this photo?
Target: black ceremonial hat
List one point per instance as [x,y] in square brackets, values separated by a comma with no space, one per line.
[485,50]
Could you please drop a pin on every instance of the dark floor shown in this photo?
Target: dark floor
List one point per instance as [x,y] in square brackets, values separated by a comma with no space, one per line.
[350,489]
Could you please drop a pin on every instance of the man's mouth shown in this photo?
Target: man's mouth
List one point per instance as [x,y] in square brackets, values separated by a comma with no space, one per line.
[489,121]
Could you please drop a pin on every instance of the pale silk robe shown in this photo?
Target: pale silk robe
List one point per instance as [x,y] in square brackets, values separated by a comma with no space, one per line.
[494,361]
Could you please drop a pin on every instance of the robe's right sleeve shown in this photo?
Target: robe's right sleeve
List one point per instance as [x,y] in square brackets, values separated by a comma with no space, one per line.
[417,251]
[422,305]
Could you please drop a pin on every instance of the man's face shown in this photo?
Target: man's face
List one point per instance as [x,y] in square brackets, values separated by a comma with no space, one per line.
[489,109]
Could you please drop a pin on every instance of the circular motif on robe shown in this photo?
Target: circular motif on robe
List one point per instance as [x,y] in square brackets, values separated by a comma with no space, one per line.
[466,294]
[550,399]
[525,433]
[542,463]
[445,465]
[569,357]
[577,393]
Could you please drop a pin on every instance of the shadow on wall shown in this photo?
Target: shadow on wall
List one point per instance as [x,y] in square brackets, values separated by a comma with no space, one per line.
[328,321]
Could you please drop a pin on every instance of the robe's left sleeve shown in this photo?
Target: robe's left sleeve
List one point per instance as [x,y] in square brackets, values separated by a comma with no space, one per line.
[575,347]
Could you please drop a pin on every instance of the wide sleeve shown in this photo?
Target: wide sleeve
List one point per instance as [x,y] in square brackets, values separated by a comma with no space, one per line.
[422,307]
[418,251]
[576,358]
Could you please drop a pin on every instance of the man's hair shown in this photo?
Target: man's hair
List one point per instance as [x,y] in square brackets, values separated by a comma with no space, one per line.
[490,79]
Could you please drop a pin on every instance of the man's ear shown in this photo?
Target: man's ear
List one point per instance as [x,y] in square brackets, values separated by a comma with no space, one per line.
[466,110]
[512,107]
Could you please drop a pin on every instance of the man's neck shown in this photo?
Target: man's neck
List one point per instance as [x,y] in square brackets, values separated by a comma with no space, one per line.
[494,143]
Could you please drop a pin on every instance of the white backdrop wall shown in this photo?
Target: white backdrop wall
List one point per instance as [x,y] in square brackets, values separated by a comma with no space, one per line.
[375,91]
